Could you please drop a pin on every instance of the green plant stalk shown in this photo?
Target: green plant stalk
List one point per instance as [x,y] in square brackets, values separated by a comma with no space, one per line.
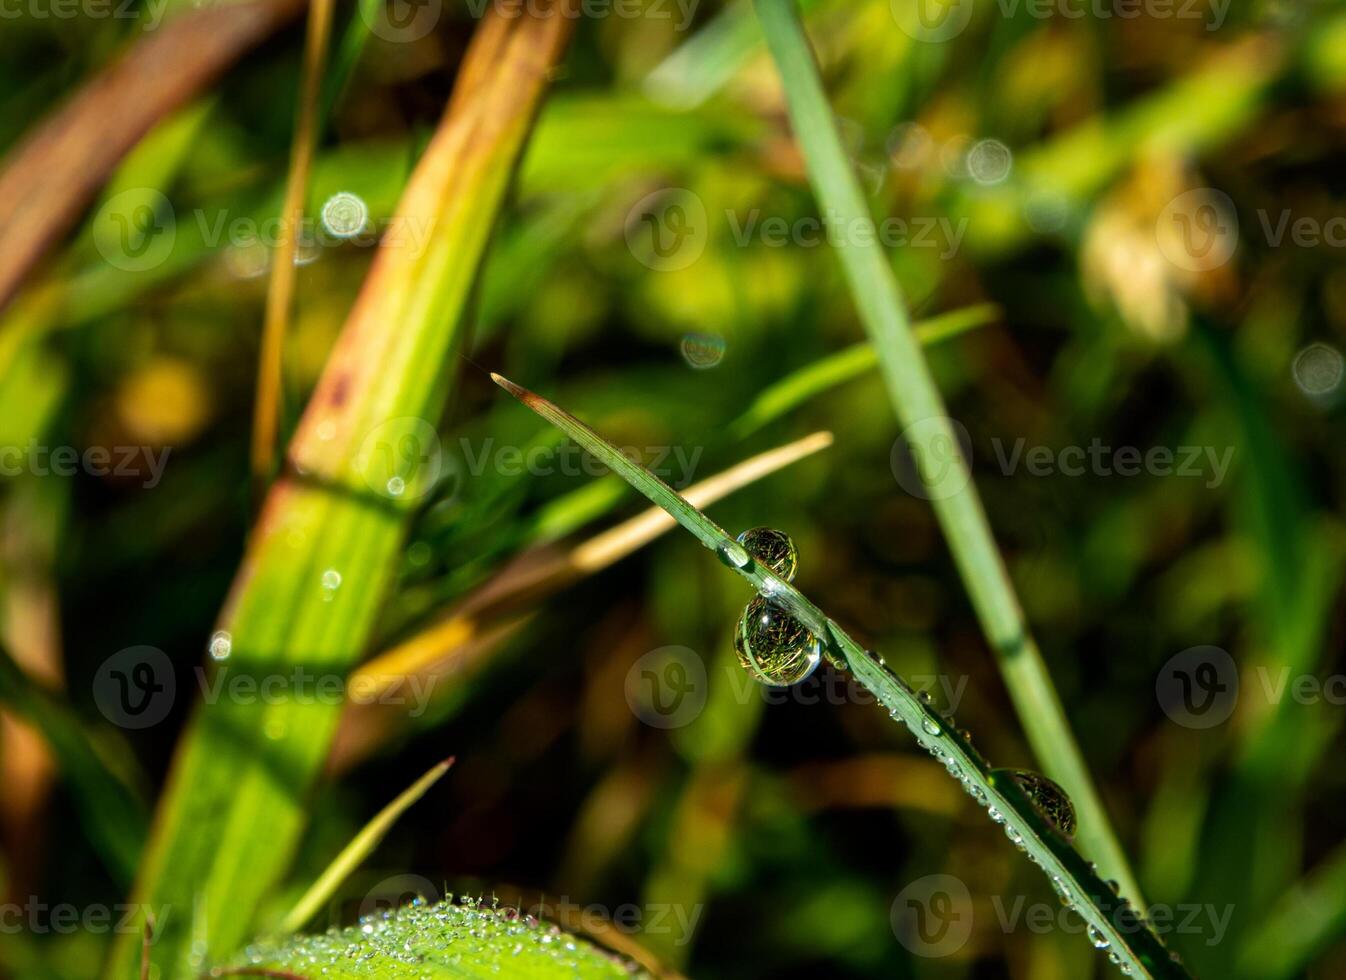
[1075,880]
[845,365]
[922,413]
[326,884]
[321,557]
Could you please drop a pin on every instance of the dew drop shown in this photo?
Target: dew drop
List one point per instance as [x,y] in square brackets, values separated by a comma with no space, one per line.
[773,549]
[345,215]
[331,581]
[930,725]
[1096,937]
[1049,799]
[221,645]
[774,647]
[733,555]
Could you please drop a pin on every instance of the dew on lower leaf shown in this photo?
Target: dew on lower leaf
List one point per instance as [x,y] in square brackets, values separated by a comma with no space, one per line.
[774,647]
[1096,937]
[773,549]
[1049,799]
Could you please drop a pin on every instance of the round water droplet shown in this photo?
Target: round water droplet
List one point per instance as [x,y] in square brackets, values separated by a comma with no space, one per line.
[345,215]
[773,549]
[930,725]
[1050,800]
[1096,937]
[221,645]
[1318,369]
[331,581]
[733,555]
[774,647]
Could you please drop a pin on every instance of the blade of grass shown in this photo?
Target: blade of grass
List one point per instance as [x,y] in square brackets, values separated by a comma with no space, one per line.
[280,290]
[357,850]
[844,365]
[1135,944]
[322,553]
[921,412]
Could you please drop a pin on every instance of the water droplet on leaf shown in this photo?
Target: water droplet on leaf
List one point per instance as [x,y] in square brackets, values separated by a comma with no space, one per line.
[1050,800]
[773,549]
[774,647]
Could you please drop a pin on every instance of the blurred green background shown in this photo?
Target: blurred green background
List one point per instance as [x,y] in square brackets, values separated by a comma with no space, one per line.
[1041,163]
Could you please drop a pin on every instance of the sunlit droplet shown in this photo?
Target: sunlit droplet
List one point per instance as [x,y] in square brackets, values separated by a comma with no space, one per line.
[345,215]
[221,645]
[989,161]
[773,549]
[774,647]
[1318,370]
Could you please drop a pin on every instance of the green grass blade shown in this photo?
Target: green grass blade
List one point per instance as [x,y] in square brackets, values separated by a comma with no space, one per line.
[323,553]
[921,411]
[1074,879]
[357,850]
[845,365]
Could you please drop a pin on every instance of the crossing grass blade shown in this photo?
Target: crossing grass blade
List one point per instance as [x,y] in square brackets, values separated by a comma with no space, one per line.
[322,554]
[928,429]
[357,850]
[1116,923]
[845,365]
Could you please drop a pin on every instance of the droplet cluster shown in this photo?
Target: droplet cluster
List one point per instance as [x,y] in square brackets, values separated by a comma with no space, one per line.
[774,647]
[421,941]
